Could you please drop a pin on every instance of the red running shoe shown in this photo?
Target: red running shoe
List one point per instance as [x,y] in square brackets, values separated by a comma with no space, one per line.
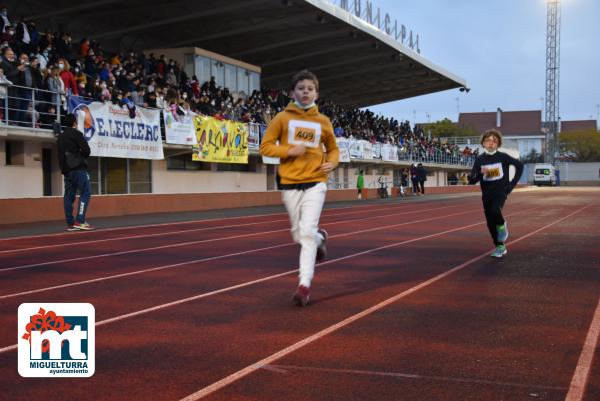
[301,296]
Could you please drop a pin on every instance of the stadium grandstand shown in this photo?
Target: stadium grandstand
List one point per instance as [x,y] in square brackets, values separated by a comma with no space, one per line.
[227,61]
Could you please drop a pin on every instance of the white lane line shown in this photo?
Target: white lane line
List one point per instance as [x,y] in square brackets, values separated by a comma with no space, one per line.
[283,369]
[51,262]
[584,365]
[308,340]
[179,231]
[95,280]
[249,283]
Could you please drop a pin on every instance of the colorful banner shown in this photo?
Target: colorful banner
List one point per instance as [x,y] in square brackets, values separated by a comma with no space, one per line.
[111,132]
[344,147]
[220,141]
[179,129]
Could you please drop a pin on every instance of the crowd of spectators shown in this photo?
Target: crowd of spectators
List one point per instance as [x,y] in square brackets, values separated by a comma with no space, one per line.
[49,61]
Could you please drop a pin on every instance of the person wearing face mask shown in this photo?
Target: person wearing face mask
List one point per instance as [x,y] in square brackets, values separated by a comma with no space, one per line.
[491,169]
[67,76]
[43,58]
[4,21]
[303,140]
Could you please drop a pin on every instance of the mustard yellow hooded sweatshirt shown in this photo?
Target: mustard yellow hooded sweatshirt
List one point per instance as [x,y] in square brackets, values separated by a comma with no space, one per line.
[295,126]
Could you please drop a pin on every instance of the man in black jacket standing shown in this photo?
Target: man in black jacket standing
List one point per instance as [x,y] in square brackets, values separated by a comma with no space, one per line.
[73,151]
[492,170]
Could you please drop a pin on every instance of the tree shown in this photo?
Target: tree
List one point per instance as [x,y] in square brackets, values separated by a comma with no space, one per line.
[446,128]
[533,157]
[581,146]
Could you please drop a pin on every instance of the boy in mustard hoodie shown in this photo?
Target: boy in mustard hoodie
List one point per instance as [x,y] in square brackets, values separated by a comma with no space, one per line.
[302,131]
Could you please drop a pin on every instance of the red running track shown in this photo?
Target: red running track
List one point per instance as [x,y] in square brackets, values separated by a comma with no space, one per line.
[408,306]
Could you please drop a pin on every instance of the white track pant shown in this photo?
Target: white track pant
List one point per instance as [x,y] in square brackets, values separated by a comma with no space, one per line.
[304,208]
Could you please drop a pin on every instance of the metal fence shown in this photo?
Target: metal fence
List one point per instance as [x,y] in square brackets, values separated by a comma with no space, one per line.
[30,107]
[34,108]
[438,157]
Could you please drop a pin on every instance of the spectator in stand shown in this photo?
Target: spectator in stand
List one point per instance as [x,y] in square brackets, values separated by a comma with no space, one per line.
[67,76]
[84,47]
[56,85]
[9,38]
[29,79]
[23,37]
[44,57]
[4,84]
[63,46]
[4,21]
[48,117]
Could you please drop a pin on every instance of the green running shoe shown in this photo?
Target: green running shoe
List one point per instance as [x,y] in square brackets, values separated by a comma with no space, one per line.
[499,251]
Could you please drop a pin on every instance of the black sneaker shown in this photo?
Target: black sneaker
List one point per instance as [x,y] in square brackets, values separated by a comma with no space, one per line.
[322,249]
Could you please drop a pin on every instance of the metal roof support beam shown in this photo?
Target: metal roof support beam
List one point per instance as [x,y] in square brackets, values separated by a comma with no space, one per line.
[325,66]
[231,32]
[359,71]
[316,53]
[187,17]
[67,10]
[301,39]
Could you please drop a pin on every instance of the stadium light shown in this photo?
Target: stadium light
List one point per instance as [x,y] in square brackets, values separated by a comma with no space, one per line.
[465,89]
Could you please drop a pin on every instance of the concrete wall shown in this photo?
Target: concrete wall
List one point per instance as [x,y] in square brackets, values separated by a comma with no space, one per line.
[579,173]
[31,210]
[26,180]
[180,181]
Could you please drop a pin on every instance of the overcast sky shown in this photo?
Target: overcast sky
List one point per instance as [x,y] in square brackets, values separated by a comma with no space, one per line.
[498,47]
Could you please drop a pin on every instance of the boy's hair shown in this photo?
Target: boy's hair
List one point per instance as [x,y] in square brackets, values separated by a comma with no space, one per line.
[69,120]
[302,75]
[492,132]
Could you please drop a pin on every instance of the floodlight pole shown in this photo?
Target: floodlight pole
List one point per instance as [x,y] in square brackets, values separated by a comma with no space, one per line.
[552,116]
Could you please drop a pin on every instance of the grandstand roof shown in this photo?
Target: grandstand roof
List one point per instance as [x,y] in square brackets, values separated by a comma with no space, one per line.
[357,64]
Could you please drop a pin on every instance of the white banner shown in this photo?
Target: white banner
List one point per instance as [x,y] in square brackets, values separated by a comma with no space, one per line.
[367,150]
[356,150]
[377,150]
[254,136]
[110,131]
[179,129]
[344,147]
[389,152]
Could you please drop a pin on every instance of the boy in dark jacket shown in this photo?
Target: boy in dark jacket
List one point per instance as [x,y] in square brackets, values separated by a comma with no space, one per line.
[491,169]
[73,150]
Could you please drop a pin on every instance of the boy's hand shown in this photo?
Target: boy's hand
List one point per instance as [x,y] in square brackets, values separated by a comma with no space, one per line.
[296,150]
[327,167]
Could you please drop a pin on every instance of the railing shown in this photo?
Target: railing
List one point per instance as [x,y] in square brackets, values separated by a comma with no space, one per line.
[29,107]
[462,140]
[33,108]
[438,157]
